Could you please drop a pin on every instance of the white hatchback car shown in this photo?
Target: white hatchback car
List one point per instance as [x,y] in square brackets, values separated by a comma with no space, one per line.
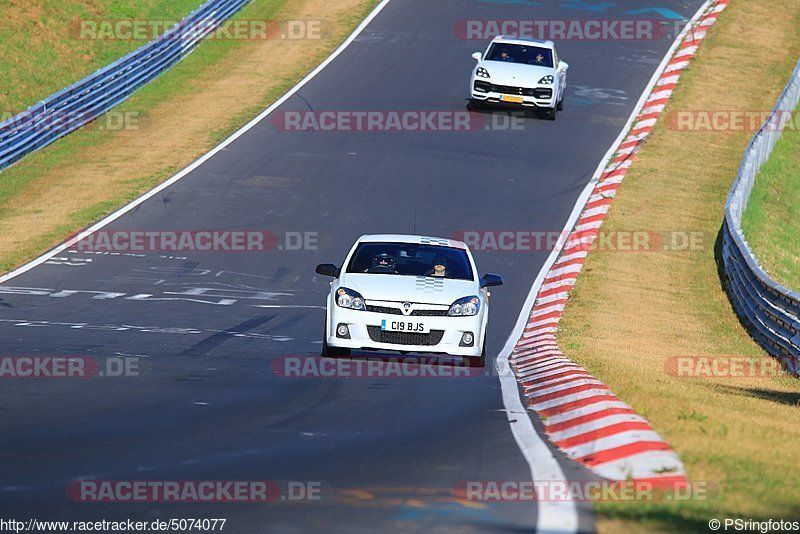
[410,294]
[520,72]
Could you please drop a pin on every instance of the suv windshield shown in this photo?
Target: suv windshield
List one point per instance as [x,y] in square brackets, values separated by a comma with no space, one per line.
[516,53]
[410,259]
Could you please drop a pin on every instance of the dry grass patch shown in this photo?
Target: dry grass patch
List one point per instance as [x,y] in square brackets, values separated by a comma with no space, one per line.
[631,312]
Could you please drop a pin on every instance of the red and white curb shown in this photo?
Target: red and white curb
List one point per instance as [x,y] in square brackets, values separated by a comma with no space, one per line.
[581,415]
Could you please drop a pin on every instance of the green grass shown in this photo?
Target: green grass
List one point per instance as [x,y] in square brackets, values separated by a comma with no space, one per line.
[169,85]
[771,223]
[42,49]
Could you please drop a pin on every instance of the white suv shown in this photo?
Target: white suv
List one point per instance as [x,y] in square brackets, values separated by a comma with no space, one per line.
[520,72]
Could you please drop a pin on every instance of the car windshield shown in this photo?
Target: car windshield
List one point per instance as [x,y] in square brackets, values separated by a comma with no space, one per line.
[516,53]
[411,259]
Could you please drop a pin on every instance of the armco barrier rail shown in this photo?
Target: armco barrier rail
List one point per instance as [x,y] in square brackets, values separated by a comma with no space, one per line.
[770,311]
[71,108]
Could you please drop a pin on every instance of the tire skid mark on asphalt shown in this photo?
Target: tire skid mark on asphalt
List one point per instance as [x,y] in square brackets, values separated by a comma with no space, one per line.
[199,295]
[144,329]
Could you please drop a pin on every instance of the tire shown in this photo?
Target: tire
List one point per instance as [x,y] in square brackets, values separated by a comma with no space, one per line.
[332,352]
[473,105]
[477,362]
[560,106]
[550,114]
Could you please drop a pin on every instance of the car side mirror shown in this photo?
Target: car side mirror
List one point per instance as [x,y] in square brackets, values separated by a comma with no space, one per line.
[477,56]
[490,280]
[563,65]
[328,269]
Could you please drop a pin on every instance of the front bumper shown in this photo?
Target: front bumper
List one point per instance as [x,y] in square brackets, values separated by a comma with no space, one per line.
[536,97]
[445,337]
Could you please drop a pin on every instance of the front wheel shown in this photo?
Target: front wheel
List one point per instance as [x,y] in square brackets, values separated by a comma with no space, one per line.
[473,105]
[560,106]
[477,361]
[332,352]
[550,114]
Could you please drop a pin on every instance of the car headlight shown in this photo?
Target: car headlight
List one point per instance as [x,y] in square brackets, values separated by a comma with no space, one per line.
[347,298]
[483,73]
[465,306]
[547,80]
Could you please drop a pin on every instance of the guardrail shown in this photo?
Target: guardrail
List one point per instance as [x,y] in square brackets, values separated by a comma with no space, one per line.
[84,101]
[770,311]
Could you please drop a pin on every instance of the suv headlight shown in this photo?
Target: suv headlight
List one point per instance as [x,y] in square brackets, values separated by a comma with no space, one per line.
[547,80]
[482,73]
[464,307]
[347,298]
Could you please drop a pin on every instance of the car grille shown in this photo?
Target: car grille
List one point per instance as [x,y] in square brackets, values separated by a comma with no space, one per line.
[511,90]
[384,309]
[429,313]
[414,313]
[404,338]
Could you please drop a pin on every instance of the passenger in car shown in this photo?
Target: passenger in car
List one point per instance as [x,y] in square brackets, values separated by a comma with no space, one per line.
[439,267]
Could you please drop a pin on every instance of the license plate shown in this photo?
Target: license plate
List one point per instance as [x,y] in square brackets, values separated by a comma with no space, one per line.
[414,327]
[511,98]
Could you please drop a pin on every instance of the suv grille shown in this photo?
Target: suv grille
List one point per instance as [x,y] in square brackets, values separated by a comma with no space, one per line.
[512,90]
[404,338]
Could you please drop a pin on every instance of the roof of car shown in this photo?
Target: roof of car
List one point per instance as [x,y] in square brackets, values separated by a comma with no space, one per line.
[416,239]
[514,40]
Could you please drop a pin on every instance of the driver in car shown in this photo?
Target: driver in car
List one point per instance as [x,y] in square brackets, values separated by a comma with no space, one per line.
[383,263]
[505,56]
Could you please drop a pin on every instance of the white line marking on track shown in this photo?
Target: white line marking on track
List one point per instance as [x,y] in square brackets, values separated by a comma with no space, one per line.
[287,306]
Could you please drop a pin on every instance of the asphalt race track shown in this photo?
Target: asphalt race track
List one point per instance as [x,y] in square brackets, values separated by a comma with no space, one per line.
[206,327]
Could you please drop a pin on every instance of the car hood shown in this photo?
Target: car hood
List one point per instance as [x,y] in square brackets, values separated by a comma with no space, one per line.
[515,74]
[419,289]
